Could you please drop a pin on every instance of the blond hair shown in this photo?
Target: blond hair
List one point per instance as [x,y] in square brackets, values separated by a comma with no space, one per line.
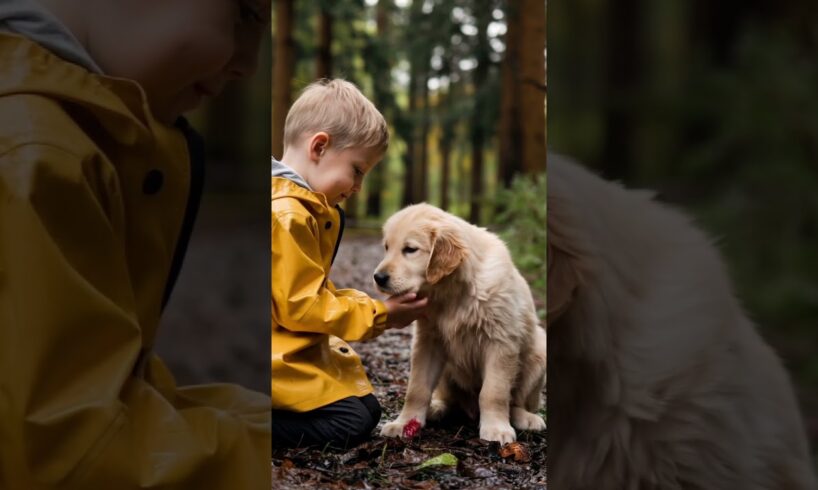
[338,108]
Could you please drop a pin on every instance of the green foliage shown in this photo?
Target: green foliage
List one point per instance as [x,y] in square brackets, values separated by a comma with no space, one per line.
[521,218]
[760,140]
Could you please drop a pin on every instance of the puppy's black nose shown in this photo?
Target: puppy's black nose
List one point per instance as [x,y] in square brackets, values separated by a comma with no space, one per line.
[381,279]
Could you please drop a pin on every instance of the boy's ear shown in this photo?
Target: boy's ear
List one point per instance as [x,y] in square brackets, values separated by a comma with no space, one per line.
[318,145]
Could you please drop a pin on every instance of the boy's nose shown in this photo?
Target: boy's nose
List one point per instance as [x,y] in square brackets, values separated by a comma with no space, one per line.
[381,279]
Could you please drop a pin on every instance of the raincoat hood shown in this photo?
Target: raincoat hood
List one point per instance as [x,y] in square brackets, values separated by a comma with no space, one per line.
[279,169]
[33,21]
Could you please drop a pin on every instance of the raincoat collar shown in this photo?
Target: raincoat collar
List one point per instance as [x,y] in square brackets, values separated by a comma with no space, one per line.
[281,187]
[280,169]
[119,104]
[315,202]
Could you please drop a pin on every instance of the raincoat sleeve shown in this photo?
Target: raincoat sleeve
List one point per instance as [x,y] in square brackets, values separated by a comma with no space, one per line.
[73,411]
[304,299]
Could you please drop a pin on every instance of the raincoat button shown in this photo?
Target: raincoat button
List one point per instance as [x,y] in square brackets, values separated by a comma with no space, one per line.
[153,182]
[328,225]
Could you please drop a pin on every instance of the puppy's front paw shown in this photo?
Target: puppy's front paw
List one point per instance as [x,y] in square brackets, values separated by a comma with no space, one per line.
[392,429]
[498,431]
[524,420]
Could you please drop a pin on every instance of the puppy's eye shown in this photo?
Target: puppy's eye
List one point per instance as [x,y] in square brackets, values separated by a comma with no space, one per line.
[409,250]
[386,247]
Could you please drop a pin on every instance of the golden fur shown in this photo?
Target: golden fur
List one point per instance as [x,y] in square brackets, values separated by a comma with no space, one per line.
[658,377]
[480,346]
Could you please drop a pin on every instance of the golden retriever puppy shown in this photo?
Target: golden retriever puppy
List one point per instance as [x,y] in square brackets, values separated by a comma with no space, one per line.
[480,346]
[658,377]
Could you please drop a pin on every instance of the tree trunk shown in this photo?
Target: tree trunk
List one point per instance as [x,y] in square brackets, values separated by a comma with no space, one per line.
[418,67]
[510,133]
[446,138]
[323,61]
[477,140]
[382,68]
[409,133]
[445,163]
[283,67]
[422,161]
[532,90]
[447,123]
[522,109]
[478,130]
[623,80]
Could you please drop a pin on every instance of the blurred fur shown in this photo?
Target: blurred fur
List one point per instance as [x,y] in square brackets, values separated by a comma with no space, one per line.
[481,346]
[658,377]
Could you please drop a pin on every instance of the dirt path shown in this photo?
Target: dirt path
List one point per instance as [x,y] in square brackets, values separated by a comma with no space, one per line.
[392,463]
[216,327]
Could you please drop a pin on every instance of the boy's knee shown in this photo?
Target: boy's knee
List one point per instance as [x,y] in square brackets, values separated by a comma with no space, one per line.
[360,417]
[374,408]
[342,424]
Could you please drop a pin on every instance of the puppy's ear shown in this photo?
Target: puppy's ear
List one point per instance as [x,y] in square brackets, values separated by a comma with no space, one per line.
[447,254]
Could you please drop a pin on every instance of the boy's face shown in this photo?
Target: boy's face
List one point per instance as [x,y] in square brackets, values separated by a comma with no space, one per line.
[339,174]
[181,51]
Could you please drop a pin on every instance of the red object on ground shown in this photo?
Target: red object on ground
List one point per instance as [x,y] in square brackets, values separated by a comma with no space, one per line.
[411,429]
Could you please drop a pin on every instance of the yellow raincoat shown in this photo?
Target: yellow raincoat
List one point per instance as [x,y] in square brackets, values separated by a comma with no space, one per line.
[312,365]
[94,218]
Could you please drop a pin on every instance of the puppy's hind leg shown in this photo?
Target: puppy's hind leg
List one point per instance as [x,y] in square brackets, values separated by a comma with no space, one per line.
[526,401]
[442,398]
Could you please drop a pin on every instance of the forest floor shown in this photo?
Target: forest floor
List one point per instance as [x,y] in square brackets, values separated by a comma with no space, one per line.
[466,461]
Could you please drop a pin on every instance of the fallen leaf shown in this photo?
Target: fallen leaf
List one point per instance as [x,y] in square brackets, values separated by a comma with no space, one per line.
[411,429]
[517,450]
[445,459]
[285,467]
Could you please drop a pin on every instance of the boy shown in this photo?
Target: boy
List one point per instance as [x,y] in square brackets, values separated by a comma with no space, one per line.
[99,186]
[333,136]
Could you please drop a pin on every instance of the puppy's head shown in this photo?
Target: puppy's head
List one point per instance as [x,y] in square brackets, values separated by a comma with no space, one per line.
[422,246]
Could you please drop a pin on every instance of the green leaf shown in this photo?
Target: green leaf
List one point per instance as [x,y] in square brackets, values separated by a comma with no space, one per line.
[445,459]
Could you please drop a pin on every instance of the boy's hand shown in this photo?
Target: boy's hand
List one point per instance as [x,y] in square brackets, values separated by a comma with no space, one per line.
[403,310]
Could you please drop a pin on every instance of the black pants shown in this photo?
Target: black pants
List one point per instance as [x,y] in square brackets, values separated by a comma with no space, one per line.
[342,424]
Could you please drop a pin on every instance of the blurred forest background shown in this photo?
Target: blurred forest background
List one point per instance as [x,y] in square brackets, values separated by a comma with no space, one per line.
[462,86]
[216,326]
[715,105]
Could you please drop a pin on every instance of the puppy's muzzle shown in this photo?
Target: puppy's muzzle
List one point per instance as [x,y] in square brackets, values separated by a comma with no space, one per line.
[381,279]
